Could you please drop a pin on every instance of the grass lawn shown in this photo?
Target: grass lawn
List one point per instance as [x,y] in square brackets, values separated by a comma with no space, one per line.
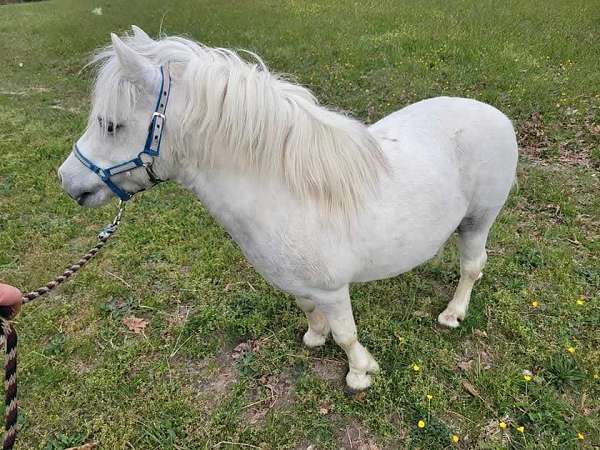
[219,364]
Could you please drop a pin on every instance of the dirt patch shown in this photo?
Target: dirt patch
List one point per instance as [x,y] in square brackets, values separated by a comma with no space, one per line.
[205,381]
[355,436]
[532,137]
[251,345]
[475,355]
[208,381]
[175,319]
[579,135]
[81,367]
[494,434]
[328,369]
[179,316]
[271,392]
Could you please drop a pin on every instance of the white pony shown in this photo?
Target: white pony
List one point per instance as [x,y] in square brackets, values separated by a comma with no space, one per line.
[315,199]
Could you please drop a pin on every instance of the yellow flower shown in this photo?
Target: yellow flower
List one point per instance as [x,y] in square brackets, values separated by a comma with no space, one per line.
[521,429]
[429,397]
[421,423]
[455,438]
[502,425]
[535,304]
[527,377]
[580,436]
[580,301]
[416,367]
[571,350]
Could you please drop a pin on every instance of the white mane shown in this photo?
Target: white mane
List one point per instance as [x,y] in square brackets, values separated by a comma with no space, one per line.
[239,115]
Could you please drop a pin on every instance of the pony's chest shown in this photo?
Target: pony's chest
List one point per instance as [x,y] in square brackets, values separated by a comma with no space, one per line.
[294,261]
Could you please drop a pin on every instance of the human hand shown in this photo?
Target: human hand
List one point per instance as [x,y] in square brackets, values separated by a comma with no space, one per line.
[10,301]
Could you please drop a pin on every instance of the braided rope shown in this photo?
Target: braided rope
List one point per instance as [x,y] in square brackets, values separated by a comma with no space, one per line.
[8,334]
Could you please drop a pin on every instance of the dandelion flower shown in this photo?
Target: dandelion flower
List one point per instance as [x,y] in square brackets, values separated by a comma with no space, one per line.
[580,301]
[416,367]
[521,429]
[421,423]
[455,438]
[580,436]
[571,350]
[502,425]
[535,304]
[429,397]
[527,377]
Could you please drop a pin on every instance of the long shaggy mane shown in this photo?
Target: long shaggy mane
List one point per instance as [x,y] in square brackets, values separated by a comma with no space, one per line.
[241,116]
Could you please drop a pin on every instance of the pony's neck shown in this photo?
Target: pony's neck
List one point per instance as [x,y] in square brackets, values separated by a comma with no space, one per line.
[238,116]
[215,188]
[236,200]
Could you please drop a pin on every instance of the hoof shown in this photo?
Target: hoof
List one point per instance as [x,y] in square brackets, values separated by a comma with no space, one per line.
[312,339]
[349,392]
[357,382]
[450,318]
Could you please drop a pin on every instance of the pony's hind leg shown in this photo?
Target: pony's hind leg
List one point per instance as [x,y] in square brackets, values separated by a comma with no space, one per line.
[472,236]
[318,327]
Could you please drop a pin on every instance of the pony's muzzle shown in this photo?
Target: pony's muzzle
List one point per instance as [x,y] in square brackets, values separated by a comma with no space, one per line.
[81,185]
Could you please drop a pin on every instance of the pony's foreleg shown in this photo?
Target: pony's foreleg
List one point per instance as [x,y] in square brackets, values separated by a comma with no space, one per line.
[337,309]
[318,327]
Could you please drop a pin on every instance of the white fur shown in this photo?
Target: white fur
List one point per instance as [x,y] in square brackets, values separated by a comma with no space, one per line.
[275,169]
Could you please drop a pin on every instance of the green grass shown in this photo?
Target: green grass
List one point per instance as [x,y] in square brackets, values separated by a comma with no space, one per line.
[182,384]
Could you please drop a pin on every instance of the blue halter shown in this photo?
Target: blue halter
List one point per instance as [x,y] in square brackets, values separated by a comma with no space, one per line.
[151,148]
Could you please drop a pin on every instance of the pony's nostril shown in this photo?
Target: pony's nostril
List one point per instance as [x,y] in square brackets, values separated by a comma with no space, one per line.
[83,197]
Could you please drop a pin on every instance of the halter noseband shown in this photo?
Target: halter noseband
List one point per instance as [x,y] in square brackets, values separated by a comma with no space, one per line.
[151,148]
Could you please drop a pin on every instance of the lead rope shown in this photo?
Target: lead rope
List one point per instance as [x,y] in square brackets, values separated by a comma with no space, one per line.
[9,335]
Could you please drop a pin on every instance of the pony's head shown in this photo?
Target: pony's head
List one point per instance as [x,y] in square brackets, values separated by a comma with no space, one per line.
[122,116]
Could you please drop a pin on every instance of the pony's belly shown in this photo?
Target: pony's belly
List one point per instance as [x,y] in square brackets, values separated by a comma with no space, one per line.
[391,264]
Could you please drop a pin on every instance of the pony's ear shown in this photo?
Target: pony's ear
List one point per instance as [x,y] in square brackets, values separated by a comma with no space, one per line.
[140,34]
[137,68]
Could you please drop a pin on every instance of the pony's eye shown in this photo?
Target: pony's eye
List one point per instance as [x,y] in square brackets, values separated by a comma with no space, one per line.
[111,127]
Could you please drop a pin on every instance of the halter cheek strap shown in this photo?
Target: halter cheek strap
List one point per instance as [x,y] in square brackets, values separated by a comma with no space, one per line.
[151,148]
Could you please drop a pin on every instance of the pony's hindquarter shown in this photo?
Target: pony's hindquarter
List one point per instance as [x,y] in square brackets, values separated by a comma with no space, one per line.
[492,183]
[486,154]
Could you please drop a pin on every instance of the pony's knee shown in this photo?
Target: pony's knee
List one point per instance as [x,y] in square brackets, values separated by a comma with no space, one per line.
[345,339]
[471,268]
